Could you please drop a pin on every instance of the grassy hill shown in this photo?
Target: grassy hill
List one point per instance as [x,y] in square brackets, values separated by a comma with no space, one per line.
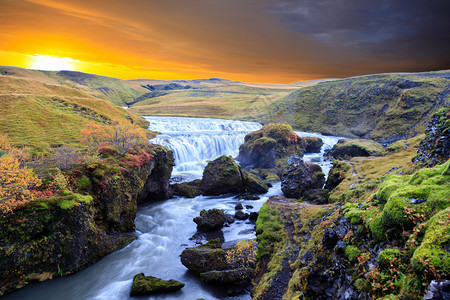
[37,110]
[382,107]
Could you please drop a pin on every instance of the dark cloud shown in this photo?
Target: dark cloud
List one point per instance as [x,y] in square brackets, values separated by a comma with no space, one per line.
[400,29]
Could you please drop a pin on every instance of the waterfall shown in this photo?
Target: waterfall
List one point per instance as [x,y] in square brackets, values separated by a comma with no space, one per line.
[196,141]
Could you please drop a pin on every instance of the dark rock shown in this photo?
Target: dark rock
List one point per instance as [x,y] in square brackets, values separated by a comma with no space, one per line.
[359,147]
[239,207]
[253,184]
[240,215]
[438,290]
[435,147]
[247,196]
[147,285]
[205,258]
[223,175]
[312,144]
[248,207]
[336,174]
[211,219]
[330,238]
[263,147]
[187,189]
[238,276]
[230,218]
[301,180]
[253,216]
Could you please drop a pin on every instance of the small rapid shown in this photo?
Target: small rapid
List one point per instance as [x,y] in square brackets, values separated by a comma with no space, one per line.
[164,228]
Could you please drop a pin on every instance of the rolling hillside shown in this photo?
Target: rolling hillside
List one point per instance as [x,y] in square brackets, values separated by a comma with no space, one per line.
[37,110]
[383,107]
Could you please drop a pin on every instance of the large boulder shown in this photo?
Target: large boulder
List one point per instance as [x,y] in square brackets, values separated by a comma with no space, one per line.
[302,180]
[435,147]
[345,148]
[230,267]
[147,285]
[189,189]
[211,219]
[262,148]
[223,175]
[205,258]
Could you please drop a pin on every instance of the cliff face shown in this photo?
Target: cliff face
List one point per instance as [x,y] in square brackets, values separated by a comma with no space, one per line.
[59,236]
[435,147]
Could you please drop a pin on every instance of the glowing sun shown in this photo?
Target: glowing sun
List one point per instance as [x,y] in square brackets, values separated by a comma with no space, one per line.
[51,63]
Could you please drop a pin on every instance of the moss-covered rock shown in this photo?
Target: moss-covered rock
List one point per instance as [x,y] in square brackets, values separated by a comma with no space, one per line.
[189,189]
[223,175]
[262,148]
[205,258]
[389,258]
[148,285]
[359,147]
[211,219]
[433,253]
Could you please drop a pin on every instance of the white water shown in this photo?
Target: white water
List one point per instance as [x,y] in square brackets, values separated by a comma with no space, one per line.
[195,141]
[163,228]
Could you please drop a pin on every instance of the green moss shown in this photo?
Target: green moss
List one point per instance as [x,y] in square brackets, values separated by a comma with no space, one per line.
[389,258]
[72,199]
[432,251]
[268,230]
[352,253]
[359,284]
[354,215]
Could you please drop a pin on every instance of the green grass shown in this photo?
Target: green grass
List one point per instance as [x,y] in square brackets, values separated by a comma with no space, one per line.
[37,112]
[374,106]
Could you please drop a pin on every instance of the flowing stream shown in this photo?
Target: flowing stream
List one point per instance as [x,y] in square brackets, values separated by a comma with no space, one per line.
[164,228]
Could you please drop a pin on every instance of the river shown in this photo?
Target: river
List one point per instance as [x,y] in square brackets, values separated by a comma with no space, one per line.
[164,228]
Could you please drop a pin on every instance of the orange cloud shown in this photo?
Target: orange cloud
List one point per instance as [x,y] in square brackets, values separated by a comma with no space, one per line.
[243,40]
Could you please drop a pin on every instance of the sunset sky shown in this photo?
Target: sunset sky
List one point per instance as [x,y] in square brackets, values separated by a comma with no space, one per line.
[248,40]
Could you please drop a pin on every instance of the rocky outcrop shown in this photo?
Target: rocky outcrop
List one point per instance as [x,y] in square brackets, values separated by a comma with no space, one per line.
[262,148]
[211,219]
[351,148]
[189,189]
[337,174]
[65,233]
[228,267]
[435,147]
[303,180]
[223,175]
[148,285]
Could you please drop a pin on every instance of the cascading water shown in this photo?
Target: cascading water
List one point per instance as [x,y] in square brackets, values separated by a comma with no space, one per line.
[195,141]
[163,228]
